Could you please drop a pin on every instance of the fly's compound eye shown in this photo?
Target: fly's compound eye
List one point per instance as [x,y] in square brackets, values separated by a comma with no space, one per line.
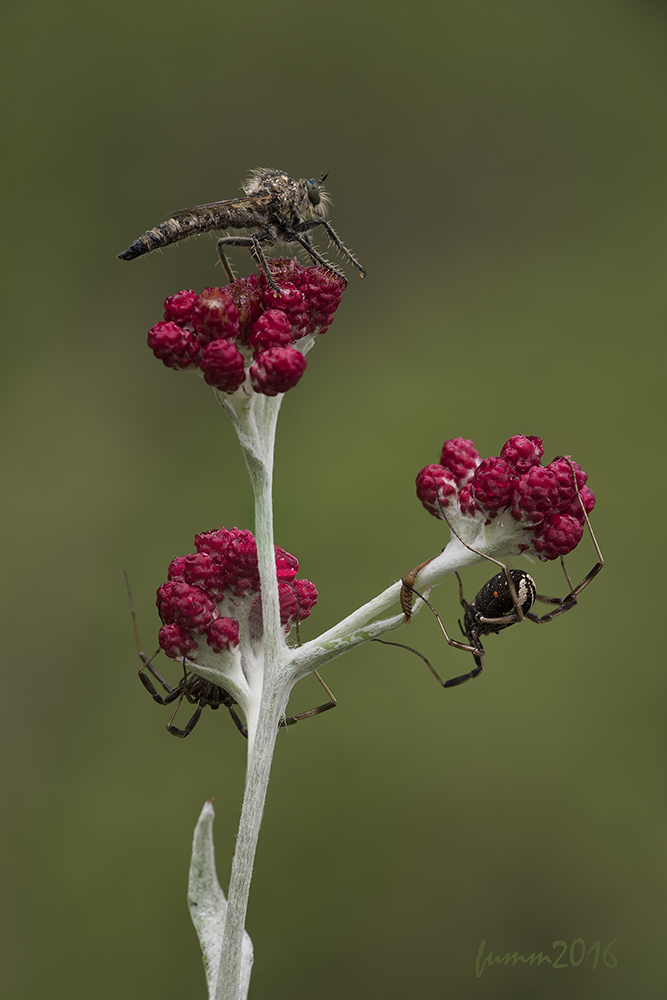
[313,189]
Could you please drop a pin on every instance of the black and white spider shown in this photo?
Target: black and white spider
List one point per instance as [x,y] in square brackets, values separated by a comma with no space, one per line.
[506,599]
[197,691]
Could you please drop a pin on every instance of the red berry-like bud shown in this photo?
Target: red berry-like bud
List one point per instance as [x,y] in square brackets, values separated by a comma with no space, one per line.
[563,472]
[179,307]
[461,458]
[175,641]
[287,565]
[175,571]
[223,633]
[435,485]
[214,543]
[272,329]
[284,270]
[297,600]
[277,370]
[535,495]
[557,536]
[322,291]
[241,569]
[290,301]
[522,453]
[550,503]
[466,501]
[307,597]
[492,485]
[185,605]
[203,571]
[173,345]
[223,365]
[588,500]
[215,315]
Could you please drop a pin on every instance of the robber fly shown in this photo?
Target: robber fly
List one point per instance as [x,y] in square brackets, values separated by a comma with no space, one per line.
[278,209]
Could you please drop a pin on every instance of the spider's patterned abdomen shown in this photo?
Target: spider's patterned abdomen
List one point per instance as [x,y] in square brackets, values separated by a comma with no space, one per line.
[494,601]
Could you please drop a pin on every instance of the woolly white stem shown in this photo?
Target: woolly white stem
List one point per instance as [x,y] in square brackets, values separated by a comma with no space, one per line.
[256,431]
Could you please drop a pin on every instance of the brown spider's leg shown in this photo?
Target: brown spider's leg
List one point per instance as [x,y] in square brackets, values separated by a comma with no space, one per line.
[182,733]
[570,600]
[477,651]
[313,711]
[600,563]
[464,604]
[148,665]
[237,722]
[567,575]
[332,698]
[455,681]
[452,642]
[172,693]
[564,603]
[146,661]
[552,614]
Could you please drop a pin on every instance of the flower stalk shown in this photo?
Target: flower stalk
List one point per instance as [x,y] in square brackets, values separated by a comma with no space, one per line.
[257,439]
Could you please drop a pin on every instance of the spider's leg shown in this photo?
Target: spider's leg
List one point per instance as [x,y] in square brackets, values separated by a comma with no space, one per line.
[332,698]
[570,600]
[455,681]
[172,693]
[567,575]
[147,662]
[313,711]
[452,642]
[464,603]
[574,592]
[182,733]
[237,722]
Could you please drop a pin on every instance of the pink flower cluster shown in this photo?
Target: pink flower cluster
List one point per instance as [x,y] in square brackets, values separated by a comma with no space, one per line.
[245,332]
[208,591]
[541,499]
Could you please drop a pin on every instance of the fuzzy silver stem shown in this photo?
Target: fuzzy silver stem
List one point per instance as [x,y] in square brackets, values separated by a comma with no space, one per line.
[255,427]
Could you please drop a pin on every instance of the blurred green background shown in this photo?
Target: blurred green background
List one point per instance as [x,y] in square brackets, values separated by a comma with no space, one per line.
[500,171]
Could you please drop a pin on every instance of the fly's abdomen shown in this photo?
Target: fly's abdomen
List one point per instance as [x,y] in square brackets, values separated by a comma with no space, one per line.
[167,232]
[188,224]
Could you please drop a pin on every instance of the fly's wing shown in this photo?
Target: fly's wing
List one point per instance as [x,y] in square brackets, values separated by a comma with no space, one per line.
[235,213]
[255,203]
